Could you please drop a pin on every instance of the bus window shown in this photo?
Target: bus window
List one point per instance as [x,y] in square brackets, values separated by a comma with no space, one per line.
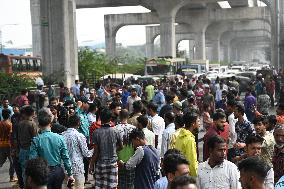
[28,64]
[15,64]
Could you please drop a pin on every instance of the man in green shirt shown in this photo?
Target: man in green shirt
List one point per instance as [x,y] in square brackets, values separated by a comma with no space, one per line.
[51,147]
[149,90]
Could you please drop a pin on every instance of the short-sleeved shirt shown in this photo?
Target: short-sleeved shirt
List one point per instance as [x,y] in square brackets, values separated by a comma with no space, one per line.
[150,92]
[5,133]
[158,127]
[106,139]
[130,101]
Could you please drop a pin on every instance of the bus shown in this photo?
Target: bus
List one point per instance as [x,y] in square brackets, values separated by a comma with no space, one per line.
[163,66]
[23,65]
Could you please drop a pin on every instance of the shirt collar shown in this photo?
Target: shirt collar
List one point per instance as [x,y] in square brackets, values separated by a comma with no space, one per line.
[207,166]
[45,131]
[171,125]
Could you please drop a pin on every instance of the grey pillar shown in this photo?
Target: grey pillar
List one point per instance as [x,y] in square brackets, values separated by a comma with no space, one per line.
[36,32]
[110,41]
[227,53]
[200,48]
[73,40]
[149,47]
[57,50]
[216,51]
[191,49]
[167,30]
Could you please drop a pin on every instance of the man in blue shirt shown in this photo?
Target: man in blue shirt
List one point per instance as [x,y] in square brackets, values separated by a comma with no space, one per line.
[5,105]
[84,128]
[51,147]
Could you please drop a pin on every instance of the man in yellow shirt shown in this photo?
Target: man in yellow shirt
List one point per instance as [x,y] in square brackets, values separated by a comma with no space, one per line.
[185,141]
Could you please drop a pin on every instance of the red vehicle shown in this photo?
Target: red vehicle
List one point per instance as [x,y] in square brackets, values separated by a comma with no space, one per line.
[24,65]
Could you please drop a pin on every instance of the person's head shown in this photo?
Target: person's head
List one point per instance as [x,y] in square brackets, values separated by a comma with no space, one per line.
[93,108]
[115,108]
[259,125]
[279,136]
[253,145]
[133,92]
[137,137]
[280,109]
[85,105]
[152,109]
[28,111]
[206,107]
[5,103]
[175,165]
[123,115]
[253,172]
[74,121]
[177,107]
[239,111]
[45,117]
[53,101]
[217,149]
[142,121]
[76,82]
[169,98]
[179,121]
[206,88]
[230,106]
[137,106]
[24,92]
[117,96]
[192,122]
[271,122]
[169,118]
[16,108]
[105,115]
[184,182]
[219,120]
[6,114]
[36,173]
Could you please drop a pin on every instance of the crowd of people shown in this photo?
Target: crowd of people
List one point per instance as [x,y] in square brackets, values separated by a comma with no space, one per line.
[147,135]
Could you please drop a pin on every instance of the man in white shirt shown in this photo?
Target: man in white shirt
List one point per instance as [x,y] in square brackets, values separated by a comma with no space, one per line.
[217,172]
[149,135]
[157,125]
[168,132]
[134,97]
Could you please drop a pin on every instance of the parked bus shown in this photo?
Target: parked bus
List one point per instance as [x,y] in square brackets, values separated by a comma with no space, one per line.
[163,66]
[24,65]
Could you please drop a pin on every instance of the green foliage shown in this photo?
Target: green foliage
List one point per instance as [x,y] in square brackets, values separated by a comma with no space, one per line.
[13,84]
[93,65]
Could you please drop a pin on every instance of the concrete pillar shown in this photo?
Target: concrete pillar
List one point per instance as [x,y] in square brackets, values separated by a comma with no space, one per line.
[216,50]
[167,36]
[227,53]
[191,49]
[73,40]
[36,32]
[149,47]
[57,45]
[110,41]
[200,48]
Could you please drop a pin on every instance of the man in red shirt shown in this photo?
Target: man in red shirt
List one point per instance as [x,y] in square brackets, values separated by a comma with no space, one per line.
[5,145]
[219,126]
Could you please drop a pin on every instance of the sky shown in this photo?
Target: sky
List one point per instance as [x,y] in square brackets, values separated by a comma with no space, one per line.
[15,24]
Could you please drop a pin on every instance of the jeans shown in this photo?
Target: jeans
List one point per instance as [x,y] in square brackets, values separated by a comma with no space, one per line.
[23,157]
[18,170]
[55,177]
[5,153]
[86,162]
